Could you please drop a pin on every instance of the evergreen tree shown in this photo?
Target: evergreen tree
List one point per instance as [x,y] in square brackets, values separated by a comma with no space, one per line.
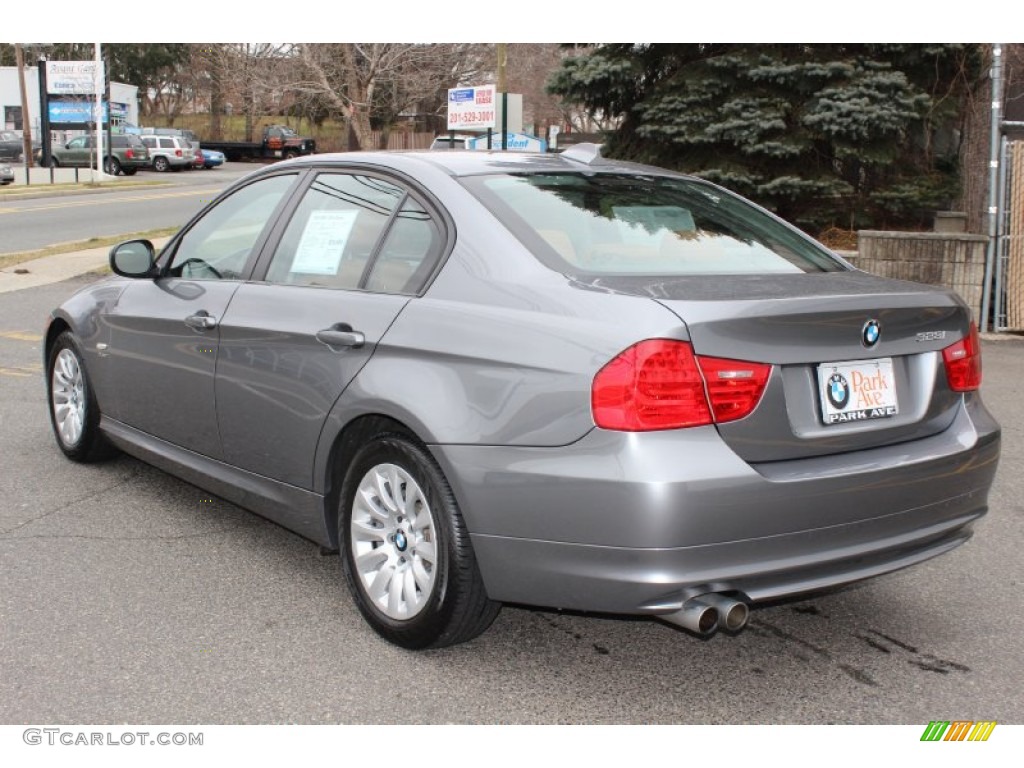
[847,135]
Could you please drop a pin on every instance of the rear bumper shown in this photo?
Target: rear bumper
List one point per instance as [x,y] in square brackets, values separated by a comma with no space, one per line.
[636,523]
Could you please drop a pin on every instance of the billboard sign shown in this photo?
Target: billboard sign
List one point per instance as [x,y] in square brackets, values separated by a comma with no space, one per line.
[73,78]
[471,108]
[79,111]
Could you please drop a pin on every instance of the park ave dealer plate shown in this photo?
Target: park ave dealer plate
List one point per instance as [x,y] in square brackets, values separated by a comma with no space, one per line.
[857,390]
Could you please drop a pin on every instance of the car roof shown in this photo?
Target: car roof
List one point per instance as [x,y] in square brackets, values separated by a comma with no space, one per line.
[480,162]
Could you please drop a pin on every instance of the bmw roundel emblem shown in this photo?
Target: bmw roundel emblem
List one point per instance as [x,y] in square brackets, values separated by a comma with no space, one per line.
[870,333]
[838,391]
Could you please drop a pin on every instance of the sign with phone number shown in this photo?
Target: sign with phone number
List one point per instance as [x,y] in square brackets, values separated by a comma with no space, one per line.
[471,107]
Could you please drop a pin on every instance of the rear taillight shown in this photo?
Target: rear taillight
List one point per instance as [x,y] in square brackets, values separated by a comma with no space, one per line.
[129,154]
[661,384]
[734,386]
[177,152]
[963,362]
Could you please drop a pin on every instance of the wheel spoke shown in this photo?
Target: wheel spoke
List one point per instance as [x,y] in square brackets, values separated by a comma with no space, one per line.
[427,551]
[371,504]
[384,493]
[412,597]
[395,595]
[371,560]
[420,574]
[365,531]
[379,586]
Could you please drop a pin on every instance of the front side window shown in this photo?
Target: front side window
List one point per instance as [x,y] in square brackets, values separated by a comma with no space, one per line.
[335,231]
[594,224]
[218,246]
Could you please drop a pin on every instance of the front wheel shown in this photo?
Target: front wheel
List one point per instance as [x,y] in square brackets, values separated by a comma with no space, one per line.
[406,553]
[74,414]
[112,166]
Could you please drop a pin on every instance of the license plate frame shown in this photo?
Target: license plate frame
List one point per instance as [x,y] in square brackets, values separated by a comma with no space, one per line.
[851,391]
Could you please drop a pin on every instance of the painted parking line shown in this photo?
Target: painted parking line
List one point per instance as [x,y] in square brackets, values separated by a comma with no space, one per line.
[21,335]
[22,371]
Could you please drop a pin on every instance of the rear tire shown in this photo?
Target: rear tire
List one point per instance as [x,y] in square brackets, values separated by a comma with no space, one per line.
[112,166]
[74,414]
[160,164]
[405,551]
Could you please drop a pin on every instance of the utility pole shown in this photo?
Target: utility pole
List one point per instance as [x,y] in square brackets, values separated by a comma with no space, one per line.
[995,132]
[26,124]
[502,49]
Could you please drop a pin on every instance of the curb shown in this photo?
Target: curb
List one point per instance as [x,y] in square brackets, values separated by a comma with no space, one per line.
[57,268]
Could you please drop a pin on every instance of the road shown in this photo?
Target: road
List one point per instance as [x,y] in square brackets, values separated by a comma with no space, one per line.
[31,224]
[127,596]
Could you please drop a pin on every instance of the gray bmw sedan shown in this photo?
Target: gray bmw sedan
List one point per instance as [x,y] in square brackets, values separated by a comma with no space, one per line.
[557,380]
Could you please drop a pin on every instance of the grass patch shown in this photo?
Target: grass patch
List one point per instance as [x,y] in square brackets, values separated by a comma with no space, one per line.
[21,190]
[9,259]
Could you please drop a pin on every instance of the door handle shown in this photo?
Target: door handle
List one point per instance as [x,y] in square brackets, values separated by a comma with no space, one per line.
[201,321]
[341,335]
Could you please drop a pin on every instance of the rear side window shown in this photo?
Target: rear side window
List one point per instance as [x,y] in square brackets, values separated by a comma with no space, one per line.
[335,231]
[644,225]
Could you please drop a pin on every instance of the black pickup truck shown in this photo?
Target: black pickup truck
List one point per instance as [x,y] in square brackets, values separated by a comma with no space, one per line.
[278,142]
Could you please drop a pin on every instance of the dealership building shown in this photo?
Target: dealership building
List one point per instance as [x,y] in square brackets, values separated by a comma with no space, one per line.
[69,113]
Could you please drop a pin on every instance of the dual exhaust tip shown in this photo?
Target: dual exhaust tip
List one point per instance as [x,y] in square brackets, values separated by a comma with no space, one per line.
[706,613]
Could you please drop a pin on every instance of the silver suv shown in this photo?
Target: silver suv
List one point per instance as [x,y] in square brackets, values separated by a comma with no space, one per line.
[169,152]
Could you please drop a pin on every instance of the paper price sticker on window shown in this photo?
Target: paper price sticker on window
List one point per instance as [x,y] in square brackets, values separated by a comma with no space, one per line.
[323,242]
[471,107]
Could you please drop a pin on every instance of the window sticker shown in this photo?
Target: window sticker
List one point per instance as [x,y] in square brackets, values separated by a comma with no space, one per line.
[323,242]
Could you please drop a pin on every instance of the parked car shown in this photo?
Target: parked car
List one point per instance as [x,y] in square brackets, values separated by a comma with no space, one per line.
[12,147]
[127,156]
[543,379]
[168,152]
[444,141]
[184,133]
[197,159]
[6,175]
[212,158]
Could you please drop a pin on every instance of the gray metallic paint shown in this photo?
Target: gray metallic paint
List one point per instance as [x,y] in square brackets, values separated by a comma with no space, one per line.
[492,368]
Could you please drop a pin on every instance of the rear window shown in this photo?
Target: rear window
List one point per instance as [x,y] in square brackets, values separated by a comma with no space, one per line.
[644,225]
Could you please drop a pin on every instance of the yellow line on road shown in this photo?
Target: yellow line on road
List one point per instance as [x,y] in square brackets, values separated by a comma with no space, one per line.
[104,200]
[16,372]
[20,335]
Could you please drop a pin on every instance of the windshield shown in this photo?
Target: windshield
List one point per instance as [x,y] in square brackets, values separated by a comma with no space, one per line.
[644,225]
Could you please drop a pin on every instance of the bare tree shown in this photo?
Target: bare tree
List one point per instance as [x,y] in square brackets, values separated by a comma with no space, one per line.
[364,82]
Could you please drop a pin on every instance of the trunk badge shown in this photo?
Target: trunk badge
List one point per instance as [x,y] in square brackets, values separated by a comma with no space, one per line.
[870,333]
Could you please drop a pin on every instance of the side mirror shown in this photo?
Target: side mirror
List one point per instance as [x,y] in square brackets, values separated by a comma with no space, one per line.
[134,258]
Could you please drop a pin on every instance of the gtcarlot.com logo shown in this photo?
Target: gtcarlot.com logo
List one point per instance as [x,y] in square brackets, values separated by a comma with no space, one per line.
[958,730]
[59,736]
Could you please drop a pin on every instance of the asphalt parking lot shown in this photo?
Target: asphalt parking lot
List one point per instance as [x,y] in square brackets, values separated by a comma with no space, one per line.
[127,596]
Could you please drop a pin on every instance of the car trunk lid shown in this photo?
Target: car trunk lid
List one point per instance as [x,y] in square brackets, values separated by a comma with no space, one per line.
[831,390]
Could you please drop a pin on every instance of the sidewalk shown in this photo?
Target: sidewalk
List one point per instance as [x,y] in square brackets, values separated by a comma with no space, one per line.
[53,269]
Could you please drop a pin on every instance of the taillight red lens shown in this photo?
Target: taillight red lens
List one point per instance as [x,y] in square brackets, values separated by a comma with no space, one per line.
[963,362]
[129,154]
[658,384]
[734,386]
[177,152]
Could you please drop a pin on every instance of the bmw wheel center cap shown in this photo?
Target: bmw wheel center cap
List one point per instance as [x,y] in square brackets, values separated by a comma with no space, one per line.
[870,333]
